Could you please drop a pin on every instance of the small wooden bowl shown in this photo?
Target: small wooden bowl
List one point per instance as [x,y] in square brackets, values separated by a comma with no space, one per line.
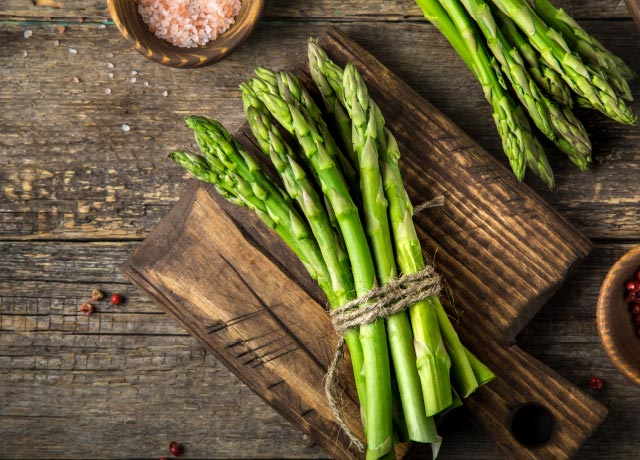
[130,24]
[617,332]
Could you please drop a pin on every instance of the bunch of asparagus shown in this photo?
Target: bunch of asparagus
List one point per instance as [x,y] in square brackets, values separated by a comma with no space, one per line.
[340,204]
[550,62]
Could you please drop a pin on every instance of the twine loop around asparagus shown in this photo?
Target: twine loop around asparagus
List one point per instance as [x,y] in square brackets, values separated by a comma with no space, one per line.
[381,302]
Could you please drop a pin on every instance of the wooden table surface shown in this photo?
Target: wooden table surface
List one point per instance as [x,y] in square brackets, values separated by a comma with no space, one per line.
[78,194]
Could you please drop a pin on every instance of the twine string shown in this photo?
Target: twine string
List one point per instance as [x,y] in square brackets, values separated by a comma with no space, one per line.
[380,302]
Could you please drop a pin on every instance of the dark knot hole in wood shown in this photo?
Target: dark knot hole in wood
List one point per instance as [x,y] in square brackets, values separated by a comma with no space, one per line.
[532,424]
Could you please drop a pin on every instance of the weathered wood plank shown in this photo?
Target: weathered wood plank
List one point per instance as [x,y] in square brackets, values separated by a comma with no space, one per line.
[68,170]
[140,380]
[395,10]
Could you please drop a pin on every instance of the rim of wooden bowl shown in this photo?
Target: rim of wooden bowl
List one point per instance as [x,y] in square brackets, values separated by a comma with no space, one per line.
[624,354]
[130,24]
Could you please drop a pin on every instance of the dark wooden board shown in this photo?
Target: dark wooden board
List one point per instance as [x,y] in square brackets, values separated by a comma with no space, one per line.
[501,278]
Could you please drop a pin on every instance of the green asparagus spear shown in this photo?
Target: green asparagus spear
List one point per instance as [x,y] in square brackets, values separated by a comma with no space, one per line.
[557,123]
[330,242]
[374,205]
[547,78]
[289,88]
[513,125]
[584,80]
[518,141]
[588,47]
[332,104]
[243,183]
[296,120]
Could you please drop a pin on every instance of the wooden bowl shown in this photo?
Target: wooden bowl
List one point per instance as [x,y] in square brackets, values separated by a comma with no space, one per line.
[130,24]
[617,332]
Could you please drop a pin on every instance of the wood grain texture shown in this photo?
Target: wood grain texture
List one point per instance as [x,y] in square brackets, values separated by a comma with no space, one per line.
[395,10]
[634,9]
[124,14]
[483,214]
[71,178]
[69,171]
[131,363]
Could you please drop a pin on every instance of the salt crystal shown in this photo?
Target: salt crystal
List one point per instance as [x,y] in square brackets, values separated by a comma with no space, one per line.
[132,79]
[25,54]
[126,127]
[109,65]
[146,84]
[102,26]
[56,43]
[76,80]
[134,73]
[110,75]
[188,23]
[107,91]
[165,93]
[73,51]
[28,33]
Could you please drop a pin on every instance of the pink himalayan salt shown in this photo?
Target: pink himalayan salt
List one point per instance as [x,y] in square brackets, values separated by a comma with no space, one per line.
[188,23]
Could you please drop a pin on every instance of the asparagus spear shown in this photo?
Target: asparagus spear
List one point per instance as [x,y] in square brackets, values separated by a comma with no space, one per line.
[330,242]
[332,103]
[557,123]
[588,47]
[584,80]
[238,178]
[296,120]
[426,315]
[547,78]
[518,141]
[374,204]
[513,125]
[289,88]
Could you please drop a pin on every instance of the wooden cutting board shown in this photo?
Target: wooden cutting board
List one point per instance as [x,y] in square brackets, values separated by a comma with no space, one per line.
[233,285]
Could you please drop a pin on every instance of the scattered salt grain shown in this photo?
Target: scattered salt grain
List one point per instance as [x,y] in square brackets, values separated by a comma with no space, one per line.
[109,55]
[146,84]
[76,80]
[56,43]
[109,65]
[132,79]
[134,73]
[73,51]
[110,74]
[28,33]
[107,91]
[165,93]
[188,23]
[126,127]
[24,54]
[102,26]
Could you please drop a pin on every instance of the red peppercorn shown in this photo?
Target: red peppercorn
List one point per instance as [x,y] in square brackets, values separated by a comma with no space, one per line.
[596,383]
[175,448]
[632,296]
[87,309]
[116,299]
[635,310]
[632,285]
